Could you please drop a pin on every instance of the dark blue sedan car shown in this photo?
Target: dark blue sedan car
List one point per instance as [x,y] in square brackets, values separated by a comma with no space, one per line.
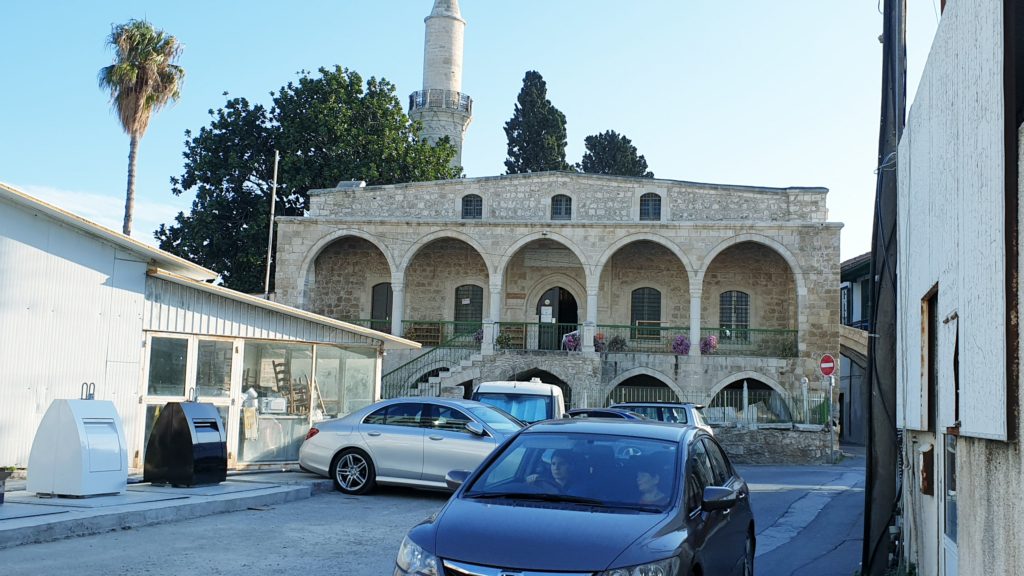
[591,497]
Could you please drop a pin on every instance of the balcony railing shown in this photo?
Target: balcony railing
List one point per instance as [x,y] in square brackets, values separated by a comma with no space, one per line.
[748,342]
[437,98]
[536,336]
[645,337]
[730,407]
[438,332]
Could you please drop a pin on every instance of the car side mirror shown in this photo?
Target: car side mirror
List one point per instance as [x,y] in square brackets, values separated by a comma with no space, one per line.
[456,478]
[475,428]
[719,498]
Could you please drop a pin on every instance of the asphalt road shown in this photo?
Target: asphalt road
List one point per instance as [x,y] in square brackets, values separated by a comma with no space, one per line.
[809,522]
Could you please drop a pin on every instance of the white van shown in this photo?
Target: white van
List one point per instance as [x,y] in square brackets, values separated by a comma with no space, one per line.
[528,401]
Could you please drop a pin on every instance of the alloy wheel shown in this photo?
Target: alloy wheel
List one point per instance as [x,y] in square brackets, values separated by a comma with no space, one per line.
[351,471]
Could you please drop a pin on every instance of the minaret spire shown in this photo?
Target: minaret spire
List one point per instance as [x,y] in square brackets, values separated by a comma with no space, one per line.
[441,106]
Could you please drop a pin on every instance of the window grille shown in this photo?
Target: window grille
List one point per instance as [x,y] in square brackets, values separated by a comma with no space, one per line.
[734,316]
[561,207]
[646,310]
[472,207]
[650,207]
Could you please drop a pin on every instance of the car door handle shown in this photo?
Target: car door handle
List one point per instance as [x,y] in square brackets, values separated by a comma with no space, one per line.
[436,437]
[373,433]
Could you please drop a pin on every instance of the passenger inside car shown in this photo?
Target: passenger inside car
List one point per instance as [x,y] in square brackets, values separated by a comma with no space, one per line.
[650,470]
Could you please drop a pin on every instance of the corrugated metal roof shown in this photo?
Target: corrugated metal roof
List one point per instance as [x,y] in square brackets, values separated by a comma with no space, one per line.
[390,342]
[157,257]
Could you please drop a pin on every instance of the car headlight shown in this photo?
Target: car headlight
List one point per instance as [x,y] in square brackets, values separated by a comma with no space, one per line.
[667,567]
[415,561]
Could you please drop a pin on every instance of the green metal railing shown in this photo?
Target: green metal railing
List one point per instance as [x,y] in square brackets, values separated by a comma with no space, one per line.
[537,336]
[650,338]
[437,332]
[412,378]
[748,342]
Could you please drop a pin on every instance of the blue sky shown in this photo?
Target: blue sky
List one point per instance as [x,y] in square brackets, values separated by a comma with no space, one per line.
[724,91]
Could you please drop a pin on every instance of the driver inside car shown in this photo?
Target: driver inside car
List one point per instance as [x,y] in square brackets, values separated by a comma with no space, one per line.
[564,472]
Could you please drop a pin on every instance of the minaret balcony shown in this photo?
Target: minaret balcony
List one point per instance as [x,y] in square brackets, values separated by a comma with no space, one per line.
[438,98]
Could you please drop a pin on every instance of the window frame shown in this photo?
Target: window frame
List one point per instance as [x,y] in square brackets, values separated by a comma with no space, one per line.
[737,331]
[652,206]
[471,211]
[561,207]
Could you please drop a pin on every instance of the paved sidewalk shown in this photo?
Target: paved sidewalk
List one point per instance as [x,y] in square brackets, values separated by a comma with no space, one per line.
[26,518]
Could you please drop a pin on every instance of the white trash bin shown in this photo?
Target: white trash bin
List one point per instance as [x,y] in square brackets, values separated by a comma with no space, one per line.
[79,450]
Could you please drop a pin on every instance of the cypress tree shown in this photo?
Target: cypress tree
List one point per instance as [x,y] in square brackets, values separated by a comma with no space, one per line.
[536,132]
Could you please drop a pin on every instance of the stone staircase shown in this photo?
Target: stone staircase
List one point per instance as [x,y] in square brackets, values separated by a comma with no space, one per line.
[447,382]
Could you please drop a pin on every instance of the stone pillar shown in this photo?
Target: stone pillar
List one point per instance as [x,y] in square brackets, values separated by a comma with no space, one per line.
[487,344]
[591,306]
[397,303]
[590,324]
[589,329]
[695,295]
[495,303]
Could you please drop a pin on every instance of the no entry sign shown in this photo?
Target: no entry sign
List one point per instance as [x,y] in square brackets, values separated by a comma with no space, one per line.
[827,365]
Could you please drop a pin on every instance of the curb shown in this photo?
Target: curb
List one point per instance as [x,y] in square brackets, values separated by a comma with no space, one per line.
[90,521]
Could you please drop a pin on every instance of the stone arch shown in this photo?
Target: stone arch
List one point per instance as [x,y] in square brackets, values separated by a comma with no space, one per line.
[780,249]
[643,370]
[543,235]
[562,380]
[426,239]
[639,237]
[771,382]
[571,284]
[309,260]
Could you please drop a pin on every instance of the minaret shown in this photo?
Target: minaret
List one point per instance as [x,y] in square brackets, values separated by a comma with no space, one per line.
[441,106]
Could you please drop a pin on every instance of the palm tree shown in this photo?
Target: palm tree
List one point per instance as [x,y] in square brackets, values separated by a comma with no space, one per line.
[142,80]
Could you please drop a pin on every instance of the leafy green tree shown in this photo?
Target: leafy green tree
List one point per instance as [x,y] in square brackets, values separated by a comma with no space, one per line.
[612,153]
[328,128]
[536,132]
[141,81]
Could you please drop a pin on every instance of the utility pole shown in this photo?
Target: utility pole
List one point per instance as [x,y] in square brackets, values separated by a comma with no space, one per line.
[881,491]
[270,234]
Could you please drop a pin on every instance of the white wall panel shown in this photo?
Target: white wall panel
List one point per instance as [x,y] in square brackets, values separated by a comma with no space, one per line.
[60,297]
[951,217]
[171,307]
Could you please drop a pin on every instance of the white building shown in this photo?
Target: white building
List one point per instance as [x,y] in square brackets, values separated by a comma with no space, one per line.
[958,373]
[82,303]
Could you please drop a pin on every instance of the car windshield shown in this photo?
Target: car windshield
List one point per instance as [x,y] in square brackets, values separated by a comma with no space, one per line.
[605,471]
[496,418]
[525,407]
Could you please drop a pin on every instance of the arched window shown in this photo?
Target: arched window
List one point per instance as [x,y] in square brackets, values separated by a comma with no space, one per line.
[380,307]
[734,315]
[469,308]
[645,313]
[650,207]
[472,207]
[561,207]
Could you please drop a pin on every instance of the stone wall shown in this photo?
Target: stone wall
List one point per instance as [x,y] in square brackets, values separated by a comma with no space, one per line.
[775,446]
[596,198]
[344,276]
[644,265]
[433,275]
[759,272]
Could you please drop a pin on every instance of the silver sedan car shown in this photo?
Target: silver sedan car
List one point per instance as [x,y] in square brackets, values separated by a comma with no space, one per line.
[405,441]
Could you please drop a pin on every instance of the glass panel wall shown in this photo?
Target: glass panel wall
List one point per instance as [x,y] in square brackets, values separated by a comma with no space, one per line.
[213,375]
[344,381]
[275,414]
[168,359]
